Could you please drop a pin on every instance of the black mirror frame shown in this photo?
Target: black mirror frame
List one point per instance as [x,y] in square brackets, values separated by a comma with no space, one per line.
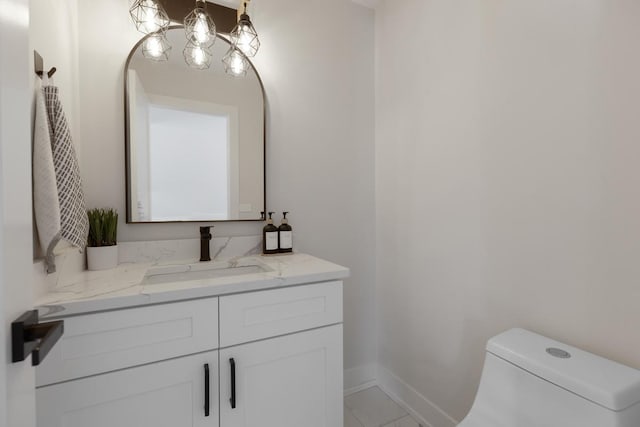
[127,140]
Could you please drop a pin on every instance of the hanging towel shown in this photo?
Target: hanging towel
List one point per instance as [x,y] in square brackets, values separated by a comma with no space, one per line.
[45,190]
[61,207]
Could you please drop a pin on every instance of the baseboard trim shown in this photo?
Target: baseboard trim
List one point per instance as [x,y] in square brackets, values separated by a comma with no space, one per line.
[359,378]
[422,409]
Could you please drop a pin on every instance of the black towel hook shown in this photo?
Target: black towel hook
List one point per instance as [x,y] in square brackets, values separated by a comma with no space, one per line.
[38,65]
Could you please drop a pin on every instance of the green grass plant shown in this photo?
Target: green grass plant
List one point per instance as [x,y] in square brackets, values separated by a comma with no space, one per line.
[103,227]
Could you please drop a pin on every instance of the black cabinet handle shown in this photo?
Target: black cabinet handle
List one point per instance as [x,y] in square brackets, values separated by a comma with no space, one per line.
[233,383]
[206,390]
[28,337]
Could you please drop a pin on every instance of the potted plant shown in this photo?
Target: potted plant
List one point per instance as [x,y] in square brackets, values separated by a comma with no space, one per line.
[102,249]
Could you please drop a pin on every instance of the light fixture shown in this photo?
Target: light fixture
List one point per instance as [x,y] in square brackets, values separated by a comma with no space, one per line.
[197,56]
[156,47]
[235,63]
[244,35]
[199,27]
[149,16]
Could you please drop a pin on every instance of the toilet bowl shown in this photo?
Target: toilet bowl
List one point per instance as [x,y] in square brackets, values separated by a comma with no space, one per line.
[532,381]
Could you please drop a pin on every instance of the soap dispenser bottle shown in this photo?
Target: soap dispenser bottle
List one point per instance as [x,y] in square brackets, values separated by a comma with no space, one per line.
[270,237]
[285,235]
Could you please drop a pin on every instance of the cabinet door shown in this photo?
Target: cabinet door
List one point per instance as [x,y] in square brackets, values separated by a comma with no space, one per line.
[289,381]
[163,394]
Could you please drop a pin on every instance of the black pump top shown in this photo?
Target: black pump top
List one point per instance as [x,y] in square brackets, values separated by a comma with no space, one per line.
[270,221]
[284,218]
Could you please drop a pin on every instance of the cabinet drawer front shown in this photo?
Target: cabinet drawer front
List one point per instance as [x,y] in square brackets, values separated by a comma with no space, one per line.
[103,342]
[258,315]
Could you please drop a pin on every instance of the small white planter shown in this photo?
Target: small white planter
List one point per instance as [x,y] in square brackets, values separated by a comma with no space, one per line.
[102,257]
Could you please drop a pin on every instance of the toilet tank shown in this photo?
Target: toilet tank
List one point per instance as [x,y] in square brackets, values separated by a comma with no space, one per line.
[532,381]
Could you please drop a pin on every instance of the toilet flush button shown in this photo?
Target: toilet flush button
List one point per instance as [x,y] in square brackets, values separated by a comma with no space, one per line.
[559,353]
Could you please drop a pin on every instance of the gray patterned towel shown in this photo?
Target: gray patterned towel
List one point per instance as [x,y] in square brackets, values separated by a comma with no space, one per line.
[74,225]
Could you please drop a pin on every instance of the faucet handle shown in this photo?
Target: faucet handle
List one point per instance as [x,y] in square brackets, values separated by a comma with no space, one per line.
[205,232]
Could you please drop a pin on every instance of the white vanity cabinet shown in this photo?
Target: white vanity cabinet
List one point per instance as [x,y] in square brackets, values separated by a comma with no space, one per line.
[259,359]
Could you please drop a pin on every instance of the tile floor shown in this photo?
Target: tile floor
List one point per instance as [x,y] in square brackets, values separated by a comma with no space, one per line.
[373,408]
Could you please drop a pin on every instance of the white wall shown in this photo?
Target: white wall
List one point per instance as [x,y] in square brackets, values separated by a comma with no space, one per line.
[316,63]
[507,183]
[17,380]
[53,32]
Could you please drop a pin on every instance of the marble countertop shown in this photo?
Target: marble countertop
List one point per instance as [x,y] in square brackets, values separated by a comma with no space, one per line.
[125,286]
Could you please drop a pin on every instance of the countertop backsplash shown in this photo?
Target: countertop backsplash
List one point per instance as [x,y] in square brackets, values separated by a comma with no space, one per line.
[160,251]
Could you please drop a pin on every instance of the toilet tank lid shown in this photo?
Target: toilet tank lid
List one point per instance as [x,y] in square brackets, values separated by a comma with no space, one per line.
[595,378]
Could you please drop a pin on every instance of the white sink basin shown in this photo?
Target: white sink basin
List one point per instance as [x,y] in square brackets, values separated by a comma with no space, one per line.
[201,271]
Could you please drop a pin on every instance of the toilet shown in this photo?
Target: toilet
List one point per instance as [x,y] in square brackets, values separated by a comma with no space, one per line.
[532,381]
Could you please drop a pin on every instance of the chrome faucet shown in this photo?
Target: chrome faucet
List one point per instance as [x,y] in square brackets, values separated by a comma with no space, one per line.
[205,239]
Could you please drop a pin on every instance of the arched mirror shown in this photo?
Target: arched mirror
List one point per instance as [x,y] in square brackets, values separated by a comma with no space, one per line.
[195,139]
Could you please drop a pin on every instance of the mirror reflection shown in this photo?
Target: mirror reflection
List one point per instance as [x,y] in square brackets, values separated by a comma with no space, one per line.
[195,139]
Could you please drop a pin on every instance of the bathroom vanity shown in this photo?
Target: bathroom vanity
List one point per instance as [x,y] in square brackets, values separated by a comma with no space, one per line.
[198,344]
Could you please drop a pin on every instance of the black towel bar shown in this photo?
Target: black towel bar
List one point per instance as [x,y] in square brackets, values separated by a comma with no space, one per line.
[28,337]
